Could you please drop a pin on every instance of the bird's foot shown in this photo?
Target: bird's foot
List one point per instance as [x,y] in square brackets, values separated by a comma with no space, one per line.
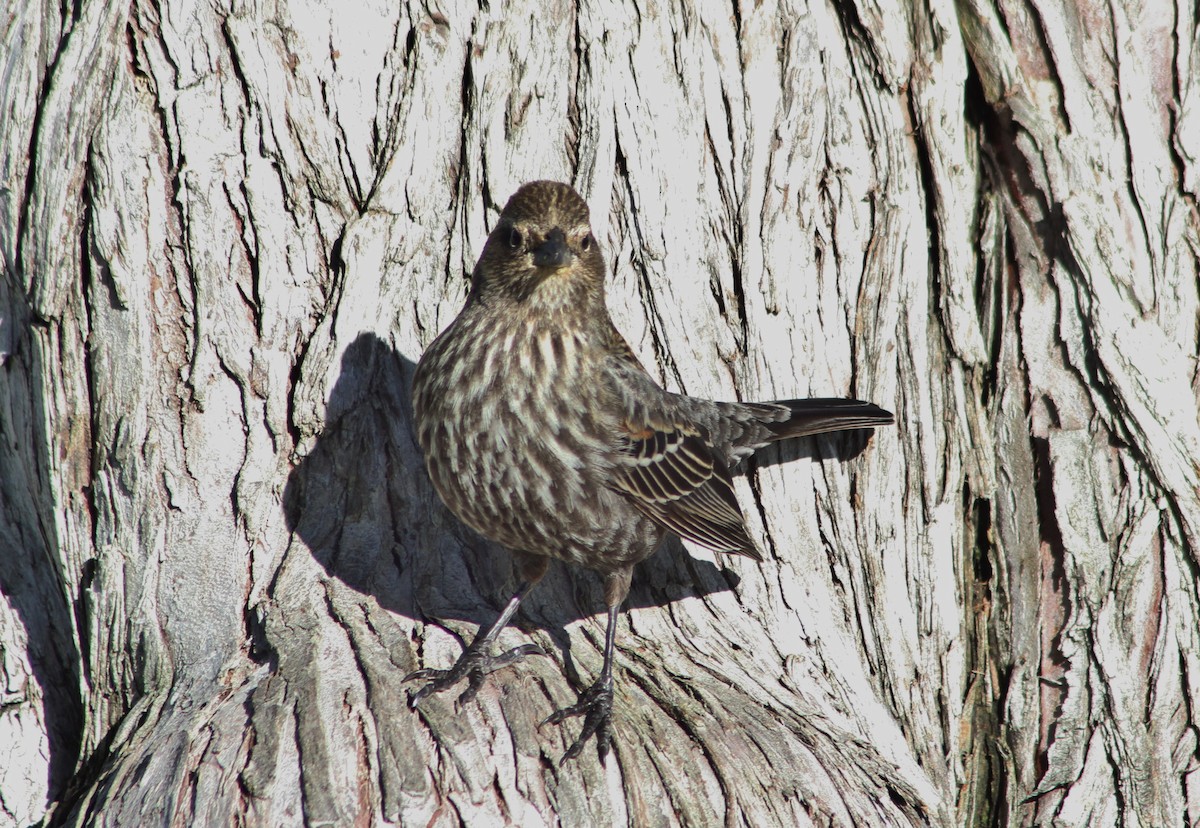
[473,665]
[595,705]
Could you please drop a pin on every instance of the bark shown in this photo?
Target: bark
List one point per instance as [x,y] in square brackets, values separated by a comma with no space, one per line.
[229,230]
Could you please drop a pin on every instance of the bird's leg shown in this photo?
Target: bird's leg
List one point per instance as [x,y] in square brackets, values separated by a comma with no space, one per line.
[596,703]
[476,661]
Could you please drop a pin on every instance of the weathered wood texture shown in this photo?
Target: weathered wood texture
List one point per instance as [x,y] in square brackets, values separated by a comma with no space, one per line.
[228,230]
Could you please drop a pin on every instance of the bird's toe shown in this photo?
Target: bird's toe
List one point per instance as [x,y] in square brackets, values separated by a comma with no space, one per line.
[474,665]
[596,706]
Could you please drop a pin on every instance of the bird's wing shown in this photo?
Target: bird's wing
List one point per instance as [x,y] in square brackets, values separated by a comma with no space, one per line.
[671,475]
[666,467]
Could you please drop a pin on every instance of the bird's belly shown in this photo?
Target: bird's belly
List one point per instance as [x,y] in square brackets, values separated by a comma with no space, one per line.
[525,475]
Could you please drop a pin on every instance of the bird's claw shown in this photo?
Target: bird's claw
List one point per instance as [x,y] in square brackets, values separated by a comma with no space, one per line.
[474,665]
[595,705]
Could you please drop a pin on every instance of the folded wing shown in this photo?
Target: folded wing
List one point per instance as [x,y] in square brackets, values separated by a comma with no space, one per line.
[672,476]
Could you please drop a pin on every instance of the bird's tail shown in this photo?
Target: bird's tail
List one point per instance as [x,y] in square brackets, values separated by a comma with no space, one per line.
[818,416]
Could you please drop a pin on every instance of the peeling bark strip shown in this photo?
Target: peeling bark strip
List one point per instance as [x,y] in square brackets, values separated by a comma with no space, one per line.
[229,232]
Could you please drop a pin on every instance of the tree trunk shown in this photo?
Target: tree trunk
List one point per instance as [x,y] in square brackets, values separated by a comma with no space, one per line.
[228,233]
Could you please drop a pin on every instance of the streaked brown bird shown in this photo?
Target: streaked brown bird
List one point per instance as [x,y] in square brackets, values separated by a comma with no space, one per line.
[543,432]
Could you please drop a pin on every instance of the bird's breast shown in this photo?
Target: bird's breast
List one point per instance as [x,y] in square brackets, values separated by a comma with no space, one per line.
[512,424]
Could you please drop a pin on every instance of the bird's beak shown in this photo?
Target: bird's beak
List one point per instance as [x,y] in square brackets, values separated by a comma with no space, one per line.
[553,252]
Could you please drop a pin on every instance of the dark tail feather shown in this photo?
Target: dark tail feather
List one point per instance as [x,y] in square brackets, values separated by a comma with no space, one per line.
[818,416]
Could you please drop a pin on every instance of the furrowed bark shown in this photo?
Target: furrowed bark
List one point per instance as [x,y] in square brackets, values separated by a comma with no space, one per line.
[229,231]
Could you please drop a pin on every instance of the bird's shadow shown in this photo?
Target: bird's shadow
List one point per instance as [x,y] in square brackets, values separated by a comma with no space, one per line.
[361,502]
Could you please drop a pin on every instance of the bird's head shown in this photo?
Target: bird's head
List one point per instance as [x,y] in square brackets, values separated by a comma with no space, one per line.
[542,250]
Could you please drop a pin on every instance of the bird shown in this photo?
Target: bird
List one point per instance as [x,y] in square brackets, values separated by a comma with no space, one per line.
[542,431]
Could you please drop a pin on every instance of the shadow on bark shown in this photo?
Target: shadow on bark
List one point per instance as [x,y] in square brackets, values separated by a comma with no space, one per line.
[32,578]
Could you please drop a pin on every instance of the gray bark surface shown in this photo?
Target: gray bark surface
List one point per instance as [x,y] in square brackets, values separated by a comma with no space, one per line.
[229,230]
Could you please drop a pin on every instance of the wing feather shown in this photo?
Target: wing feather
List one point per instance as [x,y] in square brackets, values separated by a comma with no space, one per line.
[672,475]
[665,464]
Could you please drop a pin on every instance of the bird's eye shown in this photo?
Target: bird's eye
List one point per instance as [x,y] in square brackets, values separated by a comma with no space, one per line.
[586,244]
[515,239]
